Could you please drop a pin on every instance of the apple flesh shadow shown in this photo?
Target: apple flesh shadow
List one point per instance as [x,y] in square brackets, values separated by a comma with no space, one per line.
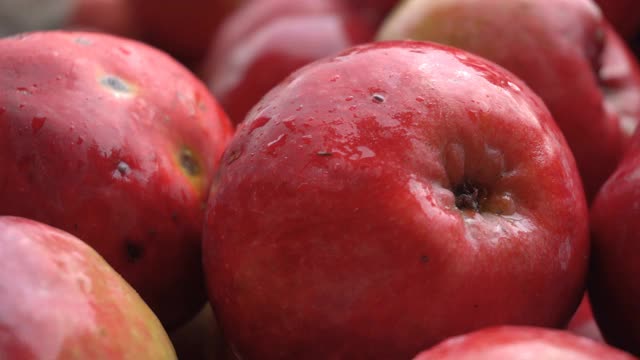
[61,300]
[376,202]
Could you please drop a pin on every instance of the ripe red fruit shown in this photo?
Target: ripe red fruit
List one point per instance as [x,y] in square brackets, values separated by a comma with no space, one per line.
[59,299]
[115,142]
[613,277]
[563,49]
[521,343]
[261,44]
[379,201]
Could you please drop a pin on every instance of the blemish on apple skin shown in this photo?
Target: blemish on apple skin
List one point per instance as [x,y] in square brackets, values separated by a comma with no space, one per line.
[123,168]
[233,156]
[188,162]
[118,86]
[424,259]
[377,98]
[134,251]
[324,153]
[83,41]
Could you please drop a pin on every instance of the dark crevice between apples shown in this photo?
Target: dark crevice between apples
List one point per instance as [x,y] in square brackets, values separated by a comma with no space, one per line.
[470,196]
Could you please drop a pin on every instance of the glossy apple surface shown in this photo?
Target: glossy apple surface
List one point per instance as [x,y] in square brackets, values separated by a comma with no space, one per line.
[59,299]
[117,143]
[521,343]
[562,49]
[613,286]
[381,200]
[264,42]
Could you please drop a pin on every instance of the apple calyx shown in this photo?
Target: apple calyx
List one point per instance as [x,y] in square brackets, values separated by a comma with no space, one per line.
[470,196]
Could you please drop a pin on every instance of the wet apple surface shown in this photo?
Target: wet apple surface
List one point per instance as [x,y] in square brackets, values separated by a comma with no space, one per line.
[116,143]
[379,201]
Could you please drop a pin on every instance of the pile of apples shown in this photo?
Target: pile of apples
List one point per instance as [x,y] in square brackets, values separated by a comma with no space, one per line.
[320,179]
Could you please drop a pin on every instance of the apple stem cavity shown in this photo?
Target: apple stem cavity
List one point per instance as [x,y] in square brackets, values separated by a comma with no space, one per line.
[469,196]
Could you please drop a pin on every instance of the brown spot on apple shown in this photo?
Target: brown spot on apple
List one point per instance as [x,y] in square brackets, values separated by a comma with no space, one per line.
[188,162]
[117,86]
[134,251]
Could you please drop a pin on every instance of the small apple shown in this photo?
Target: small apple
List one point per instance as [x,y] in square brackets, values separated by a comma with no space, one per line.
[563,49]
[378,201]
[266,40]
[614,289]
[115,142]
[521,343]
[59,299]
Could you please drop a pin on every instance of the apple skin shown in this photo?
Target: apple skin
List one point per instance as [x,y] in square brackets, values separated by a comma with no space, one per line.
[521,343]
[583,323]
[560,50]
[61,300]
[615,234]
[334,232]
[624,15]
[182,28]
[110,16]
[260,45]
[116,143]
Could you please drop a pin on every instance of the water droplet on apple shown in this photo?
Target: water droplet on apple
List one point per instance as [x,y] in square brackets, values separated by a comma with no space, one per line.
[335,78]
[258,123]
[348,98]
[277,143]
[420,99]
[37,123]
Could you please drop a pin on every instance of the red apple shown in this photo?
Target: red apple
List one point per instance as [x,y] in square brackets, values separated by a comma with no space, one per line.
[115,142]
[183,28]
[521,343]
[562,49]
[110,16]
[381,200]
[582,323]
[613,279]
[624,15]
[265,41]
[59,299]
